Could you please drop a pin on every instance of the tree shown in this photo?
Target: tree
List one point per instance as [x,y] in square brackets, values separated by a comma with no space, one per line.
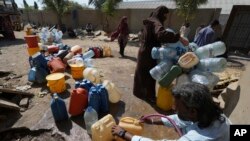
[188,8]
[14,5]
[35,5]
[106,6]
[109,8]
[60,7]
[97,3]
[26,6]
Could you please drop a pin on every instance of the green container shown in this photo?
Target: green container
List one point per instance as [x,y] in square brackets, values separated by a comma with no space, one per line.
[169,77]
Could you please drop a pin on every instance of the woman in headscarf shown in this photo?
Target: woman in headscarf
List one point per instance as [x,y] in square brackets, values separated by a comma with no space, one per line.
[153,35]
[122,34]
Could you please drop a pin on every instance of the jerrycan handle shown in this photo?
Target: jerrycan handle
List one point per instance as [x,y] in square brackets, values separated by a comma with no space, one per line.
[129,120]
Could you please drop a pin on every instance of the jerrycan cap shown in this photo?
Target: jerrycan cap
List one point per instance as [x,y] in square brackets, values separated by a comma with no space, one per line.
[90,109]
[55,96]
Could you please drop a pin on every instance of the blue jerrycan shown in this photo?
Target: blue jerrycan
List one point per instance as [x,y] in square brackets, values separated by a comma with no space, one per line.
[94,99]
[58,108]
[104,100]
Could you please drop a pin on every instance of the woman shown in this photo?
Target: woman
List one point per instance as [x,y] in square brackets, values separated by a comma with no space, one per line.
[153,35]
[122,34]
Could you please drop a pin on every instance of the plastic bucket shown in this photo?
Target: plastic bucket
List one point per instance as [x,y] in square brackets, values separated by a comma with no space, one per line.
[32,41]
[56,82]
[77,71]
[32,51]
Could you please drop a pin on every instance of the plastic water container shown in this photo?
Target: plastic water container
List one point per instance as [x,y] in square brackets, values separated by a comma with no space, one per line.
[58,108]
[31,41]
[169,77]
[131,125]
[41,75]
[86,84]
[188,60]
[104,103]
[113,94]
[39,60]
[32,75]
[77,84]
[92,75]
[205,78]
[61,54]
[76,49]
[211,50]
[213,64]
[68,57]
[101,130]
[94,99]
[53,49]
[88,63]
[78,101]
[76,71]
[163,53]
[192,47]
[159,70]
[56,65]
[164,98]
[107,51]
[89,54]
[90,117]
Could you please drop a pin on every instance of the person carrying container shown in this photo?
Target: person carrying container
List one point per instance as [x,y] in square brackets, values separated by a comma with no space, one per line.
[153,34]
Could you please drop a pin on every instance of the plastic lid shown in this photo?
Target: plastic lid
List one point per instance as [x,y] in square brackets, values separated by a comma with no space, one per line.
[55,76]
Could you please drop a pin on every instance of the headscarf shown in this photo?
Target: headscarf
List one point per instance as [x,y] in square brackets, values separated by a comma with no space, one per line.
[159,12]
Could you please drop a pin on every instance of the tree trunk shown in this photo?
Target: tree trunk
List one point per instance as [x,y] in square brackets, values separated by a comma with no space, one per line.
[59,19]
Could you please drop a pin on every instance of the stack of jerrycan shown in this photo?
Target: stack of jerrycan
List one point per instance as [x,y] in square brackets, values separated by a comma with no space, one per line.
[32,44]
[39,69]
[58,108]
[78,101]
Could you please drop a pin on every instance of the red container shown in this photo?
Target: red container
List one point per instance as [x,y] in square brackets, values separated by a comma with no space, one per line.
[97,52]
[53,49]
[56,65]
[32,41]
[78,101]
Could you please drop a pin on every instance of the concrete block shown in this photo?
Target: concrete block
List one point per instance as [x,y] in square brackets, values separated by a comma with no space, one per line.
[24,102]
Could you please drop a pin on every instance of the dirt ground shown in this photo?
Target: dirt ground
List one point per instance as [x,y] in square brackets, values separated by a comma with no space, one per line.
[14,57]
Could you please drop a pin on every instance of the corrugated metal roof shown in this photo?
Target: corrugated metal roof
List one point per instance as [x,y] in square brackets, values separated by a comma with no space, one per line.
[226,5]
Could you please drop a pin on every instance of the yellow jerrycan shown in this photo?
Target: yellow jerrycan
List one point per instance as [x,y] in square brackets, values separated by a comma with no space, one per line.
[101,130]
[164,99]
[131,125]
